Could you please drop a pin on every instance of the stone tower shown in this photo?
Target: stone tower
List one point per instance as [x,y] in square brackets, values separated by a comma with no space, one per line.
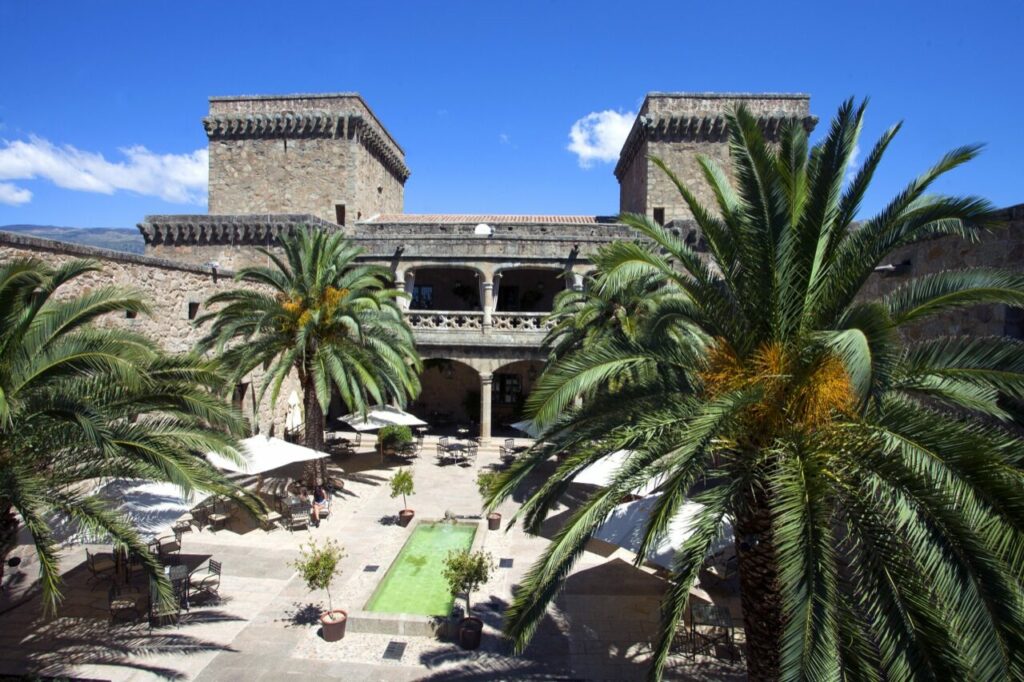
[323,155]
[676,127]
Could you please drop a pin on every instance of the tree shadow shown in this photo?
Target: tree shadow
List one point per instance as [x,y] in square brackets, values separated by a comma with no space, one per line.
[302,615]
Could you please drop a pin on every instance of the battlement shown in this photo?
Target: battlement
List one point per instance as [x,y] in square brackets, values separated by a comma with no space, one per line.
[326,155]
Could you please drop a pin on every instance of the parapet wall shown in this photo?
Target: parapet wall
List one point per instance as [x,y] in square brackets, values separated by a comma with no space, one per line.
[168,287]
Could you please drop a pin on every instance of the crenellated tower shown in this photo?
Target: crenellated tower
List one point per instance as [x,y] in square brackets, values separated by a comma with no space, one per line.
[677,127]
[325,155]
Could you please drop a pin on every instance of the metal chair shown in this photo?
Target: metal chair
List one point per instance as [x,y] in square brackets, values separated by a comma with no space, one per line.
[297,517]
[219,517]
[121,607]
[471,452]
[206,581]
[710,628]
[510,444]
[100,565]
[507,456]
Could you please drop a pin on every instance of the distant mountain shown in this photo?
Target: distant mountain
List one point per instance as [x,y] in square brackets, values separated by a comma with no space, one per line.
[114,238]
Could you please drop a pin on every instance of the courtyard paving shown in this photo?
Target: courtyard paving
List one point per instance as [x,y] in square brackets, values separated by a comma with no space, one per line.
[265,625]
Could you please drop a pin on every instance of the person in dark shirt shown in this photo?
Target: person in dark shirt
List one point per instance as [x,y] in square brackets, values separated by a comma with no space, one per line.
[319,503]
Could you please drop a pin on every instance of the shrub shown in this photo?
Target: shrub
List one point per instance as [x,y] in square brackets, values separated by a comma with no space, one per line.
[401,484]
[465,571]
[394,436]
[319,566]
[486,481]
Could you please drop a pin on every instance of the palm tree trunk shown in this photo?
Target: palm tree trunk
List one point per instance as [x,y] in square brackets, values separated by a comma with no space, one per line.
[313,432]
[759,589]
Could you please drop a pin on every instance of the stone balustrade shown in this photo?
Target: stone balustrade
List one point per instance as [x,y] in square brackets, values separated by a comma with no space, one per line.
[519,322]
[446,319]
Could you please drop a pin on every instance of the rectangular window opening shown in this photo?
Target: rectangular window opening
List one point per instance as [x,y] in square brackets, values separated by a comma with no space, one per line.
[339,214]
[130,314]
[659,215]
[193,309]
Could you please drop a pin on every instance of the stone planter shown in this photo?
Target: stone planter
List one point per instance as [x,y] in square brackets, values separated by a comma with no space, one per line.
[333,624]
[405,516]
[493,521]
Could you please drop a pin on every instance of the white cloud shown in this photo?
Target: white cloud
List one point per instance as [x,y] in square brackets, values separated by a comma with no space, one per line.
[854,165]
[178,178]
[14,195]
[599,136]
[504,138]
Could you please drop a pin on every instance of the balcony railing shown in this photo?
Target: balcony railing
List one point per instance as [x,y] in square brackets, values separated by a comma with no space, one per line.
[473,320]
[446,319]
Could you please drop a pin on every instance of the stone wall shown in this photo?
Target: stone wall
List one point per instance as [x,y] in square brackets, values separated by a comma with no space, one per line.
[166,286]
[302,154]
[1003,248]
[677,127]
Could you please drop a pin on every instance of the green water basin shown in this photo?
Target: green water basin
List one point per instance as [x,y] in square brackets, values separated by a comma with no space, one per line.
[414,583]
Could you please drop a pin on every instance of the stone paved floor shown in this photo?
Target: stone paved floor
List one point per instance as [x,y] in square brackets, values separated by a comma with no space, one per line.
[265,625]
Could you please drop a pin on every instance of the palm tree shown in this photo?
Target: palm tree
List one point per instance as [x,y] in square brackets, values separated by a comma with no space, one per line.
[318,312]
[80,402]
[874,483]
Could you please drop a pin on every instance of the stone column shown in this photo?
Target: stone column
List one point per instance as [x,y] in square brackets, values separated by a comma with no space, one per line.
[485,407]
[488,303]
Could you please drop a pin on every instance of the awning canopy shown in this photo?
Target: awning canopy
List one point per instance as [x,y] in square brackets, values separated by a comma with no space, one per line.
[380,417]
[602,472]
[625,528]
[528,427]
[263,454]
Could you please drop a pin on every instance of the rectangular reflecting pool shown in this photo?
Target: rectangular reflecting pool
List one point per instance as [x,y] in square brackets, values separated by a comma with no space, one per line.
[414,584]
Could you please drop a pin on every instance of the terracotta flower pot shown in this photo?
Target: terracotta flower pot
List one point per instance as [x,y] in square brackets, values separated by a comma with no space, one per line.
[493,521]
[470,632]
[405,516]
[333,623]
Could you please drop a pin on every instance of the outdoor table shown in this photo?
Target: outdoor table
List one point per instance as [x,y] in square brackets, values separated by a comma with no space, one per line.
[178,576]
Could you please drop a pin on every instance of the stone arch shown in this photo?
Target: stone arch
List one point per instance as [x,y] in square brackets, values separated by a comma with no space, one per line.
[450,395]
[443,286]
[512,383]
[528,287]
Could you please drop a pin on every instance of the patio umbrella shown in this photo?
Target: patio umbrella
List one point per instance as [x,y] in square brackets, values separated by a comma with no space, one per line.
[528,427]
[263,454]
[625,528]
[379,417]
[150,507]
[601,473]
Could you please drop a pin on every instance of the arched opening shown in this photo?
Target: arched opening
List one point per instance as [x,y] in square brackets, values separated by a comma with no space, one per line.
[448,288]
[450,398]
[510,386]
[528,290]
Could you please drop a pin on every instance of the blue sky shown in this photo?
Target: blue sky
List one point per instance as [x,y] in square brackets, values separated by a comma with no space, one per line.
[481,95]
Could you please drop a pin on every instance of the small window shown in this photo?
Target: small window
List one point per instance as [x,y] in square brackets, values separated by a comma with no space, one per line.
[130,314]
[339,214]
[506,389]
[659,215]
[422,297]
[193,309]
[238,396]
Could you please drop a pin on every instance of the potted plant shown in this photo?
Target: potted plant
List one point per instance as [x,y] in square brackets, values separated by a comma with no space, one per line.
[466,571]
[401,484]
[318,566]
[393,438]
[485,483]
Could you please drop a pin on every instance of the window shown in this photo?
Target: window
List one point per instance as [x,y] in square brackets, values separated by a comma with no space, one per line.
[506,389]
[193,309]
[238,396]
[339,214]
[659,215]
[130,314]
[422,297]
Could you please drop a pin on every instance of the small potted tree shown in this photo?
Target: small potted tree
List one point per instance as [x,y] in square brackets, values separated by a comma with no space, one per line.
[401,484]
[466,571]
[318,566]
[393,438]
[485,483]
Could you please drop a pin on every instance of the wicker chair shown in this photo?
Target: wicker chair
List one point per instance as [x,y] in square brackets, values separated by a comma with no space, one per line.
[297,517]
[122,608]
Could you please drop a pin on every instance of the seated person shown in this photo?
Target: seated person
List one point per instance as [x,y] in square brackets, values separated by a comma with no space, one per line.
[319,503]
